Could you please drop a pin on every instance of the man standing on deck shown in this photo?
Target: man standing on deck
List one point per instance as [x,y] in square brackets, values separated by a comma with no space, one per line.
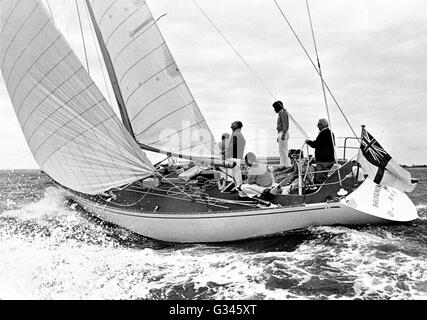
[324,149]
[236,149]
[237,143]
[283,134]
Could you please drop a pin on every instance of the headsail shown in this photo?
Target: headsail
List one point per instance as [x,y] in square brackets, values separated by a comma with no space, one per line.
[159,104]
[71,130]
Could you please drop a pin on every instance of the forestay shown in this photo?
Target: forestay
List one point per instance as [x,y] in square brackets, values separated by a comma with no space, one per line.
[71,130]
[160,106]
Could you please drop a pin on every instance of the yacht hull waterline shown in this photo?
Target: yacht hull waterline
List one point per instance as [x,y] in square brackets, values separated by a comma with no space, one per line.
[253,223]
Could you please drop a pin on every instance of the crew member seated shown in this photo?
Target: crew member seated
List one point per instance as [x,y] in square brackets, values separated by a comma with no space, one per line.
[259,178]
[324,150]
[280,175]
[300,166]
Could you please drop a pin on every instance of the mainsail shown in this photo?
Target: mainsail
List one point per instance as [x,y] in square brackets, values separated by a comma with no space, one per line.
[73,133]
[160,106]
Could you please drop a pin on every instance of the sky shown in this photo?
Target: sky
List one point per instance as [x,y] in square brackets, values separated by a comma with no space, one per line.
[373,55]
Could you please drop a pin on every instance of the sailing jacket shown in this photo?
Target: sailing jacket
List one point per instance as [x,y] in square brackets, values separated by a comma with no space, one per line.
[324,148]
[260,175]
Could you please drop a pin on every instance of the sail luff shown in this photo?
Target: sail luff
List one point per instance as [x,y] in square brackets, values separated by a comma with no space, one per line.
[111,72]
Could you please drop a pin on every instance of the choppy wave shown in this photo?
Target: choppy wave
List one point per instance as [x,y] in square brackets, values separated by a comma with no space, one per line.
[51,250]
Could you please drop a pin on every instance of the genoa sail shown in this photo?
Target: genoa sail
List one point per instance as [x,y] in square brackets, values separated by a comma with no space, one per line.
[161,109]
[72,131]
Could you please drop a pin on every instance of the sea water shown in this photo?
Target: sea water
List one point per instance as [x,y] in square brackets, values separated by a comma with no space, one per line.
[50,249]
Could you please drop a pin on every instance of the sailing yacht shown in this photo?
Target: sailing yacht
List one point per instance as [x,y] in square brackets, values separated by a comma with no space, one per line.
[101,162]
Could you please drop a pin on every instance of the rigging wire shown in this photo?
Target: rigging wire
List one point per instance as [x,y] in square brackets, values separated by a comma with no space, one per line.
[66,21]
[95,43]
[261,82]
[83,38]
[323,85]
[317,70]
[126,205]
[50,9]
[318,64]
[235,50]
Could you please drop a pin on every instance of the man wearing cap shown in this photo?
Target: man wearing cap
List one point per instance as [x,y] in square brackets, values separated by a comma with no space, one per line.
[283,134]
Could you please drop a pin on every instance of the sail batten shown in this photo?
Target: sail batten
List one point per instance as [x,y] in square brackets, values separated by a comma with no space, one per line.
[164,116]
[162,111]
[52,113]
[39,81]
[121,51]
[58,149]
[26,48]
[105,12]
[5,23]
[72,131]
[160,95]
[126,72]
[148,79]
[27,71]
[119,25]
[17,32]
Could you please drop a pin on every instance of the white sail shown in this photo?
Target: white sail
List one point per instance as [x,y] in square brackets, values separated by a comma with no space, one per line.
[161,108]
[73,133]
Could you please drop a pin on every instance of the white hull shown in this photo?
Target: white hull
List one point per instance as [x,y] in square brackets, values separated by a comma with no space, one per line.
[229,226]
[232,226]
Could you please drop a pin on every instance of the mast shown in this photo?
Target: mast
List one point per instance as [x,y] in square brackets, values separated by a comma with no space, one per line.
[111,72]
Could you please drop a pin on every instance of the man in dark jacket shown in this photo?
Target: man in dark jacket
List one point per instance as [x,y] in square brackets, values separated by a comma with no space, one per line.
[324,149]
